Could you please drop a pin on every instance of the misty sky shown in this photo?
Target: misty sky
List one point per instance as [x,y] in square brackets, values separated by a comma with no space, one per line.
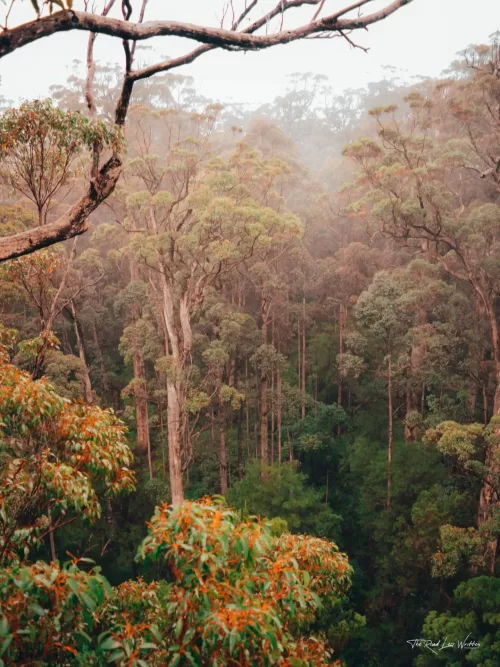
[420,39]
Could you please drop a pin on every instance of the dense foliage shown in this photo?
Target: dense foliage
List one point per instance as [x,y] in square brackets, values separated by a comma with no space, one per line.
[294,312]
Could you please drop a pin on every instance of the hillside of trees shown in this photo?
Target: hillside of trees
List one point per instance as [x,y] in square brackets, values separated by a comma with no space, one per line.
[251,415]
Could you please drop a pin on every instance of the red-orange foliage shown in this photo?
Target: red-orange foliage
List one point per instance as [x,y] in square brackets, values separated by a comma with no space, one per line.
[53,451]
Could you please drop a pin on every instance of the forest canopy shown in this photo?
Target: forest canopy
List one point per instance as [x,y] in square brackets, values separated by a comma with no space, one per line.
[249,359]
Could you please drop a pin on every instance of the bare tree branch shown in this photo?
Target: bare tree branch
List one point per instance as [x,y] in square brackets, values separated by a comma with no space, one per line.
[67,20]
[103,181]
[72,223]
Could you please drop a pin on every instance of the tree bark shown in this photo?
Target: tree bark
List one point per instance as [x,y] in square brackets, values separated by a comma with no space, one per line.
[104,375]
[67,20]
[239,438]
[175,431]
[73,223]
[264,405]
[279,414]
[390,430]
[222,459]
[303,383]
[86,382]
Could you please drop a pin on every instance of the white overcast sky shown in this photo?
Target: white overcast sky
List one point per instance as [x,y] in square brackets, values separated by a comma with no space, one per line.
[420,39]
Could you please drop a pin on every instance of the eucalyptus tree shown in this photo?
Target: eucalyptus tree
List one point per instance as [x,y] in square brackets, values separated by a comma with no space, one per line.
[242,31]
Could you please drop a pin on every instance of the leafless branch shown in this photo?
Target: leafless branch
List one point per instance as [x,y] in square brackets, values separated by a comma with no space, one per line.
[65,21]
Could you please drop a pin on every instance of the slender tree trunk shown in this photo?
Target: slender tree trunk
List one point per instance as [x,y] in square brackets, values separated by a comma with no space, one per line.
[102,365]
[303,411]
[51,316]
[489,500]
[222,459]
[175,433]
[247,413]
[239,439]
[272,417]
[389,443]
[52,543]
[485,404]
[341,351]
[264,404]
[412,399]
[279,414]
[140,389]
[471,400]
[141,408]
[273,401]
[299,374]
[162,435]
[86,382]
[263,420]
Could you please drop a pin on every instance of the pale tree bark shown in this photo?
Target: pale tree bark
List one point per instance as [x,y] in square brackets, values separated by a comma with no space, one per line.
[65,21]
[264,401]
[86,382]
[222,458]
[489,502]
[341,351]
[303,382]
[390,429]
[278,410]
[239,441]
[140,390]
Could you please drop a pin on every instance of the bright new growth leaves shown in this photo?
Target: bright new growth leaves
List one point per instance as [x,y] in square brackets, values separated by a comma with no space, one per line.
[238,595]
[56,457]
[235,595]
[47,613]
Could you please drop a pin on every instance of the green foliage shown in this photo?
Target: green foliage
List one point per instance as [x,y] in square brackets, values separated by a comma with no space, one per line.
[54,454]
[47,612]
[474,621]
[39,144]
[282,492]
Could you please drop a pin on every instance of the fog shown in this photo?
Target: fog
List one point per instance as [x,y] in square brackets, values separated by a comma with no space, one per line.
[420,40]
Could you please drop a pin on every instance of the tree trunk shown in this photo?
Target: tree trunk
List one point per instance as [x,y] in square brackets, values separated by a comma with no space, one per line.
[105,383]
[485,404]
[341,350]
[222,459]
[264,409]
[303,384]
[174,430]
[272,418]
[390,434]
[299,374]
[162,435]
[488,499]
[279,414]
[49,320]
[412,398]
[239,438]
[141,408]
[264,405]
[86,383]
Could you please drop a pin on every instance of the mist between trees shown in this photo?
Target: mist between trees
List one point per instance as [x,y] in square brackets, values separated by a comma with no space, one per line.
[249,362]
